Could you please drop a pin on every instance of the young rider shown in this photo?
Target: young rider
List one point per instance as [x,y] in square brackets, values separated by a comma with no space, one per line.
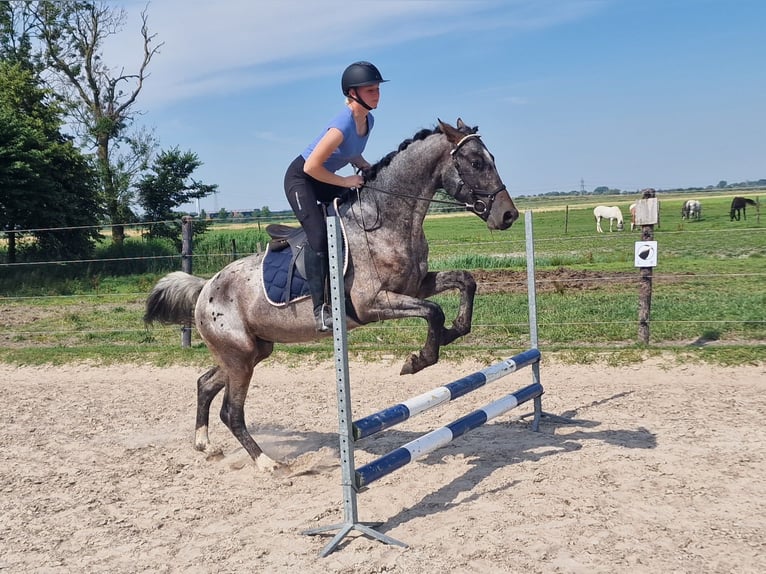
[311,178]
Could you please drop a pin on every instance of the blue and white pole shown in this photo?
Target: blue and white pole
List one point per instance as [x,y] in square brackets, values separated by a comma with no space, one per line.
[399,413]
[438,438]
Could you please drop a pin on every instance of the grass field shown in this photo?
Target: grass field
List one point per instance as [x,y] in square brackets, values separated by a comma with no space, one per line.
[709,298]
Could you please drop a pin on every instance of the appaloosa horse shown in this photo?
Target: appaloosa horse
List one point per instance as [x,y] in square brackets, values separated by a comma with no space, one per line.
[388,276]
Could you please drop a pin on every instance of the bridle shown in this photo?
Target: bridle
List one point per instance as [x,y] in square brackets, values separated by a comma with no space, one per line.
[481,200]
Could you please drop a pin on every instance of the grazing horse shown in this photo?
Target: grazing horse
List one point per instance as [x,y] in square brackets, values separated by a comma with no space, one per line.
[740,203]
[632,210]
[692,209]
[612,213]
[387,276]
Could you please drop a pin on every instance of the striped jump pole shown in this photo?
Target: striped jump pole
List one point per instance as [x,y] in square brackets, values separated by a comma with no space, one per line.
[440,437]
[399,413]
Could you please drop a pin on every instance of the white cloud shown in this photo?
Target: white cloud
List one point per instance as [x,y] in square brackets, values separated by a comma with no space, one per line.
[231,45]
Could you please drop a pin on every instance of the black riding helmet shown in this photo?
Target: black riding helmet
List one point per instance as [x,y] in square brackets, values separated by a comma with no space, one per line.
[357,75]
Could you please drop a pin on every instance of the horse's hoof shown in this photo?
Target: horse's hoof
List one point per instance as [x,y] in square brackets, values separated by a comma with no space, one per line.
[201,440]
[267,464]
[413,364]
[408,368]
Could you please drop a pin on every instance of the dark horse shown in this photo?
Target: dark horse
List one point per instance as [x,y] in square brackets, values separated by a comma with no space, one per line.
[740,203]
[387,278]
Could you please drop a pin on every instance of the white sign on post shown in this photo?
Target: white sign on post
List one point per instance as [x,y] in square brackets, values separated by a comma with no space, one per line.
[646,254]
[647,211]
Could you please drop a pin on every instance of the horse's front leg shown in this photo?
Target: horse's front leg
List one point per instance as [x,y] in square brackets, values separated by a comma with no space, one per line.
[440,281]
[390,305]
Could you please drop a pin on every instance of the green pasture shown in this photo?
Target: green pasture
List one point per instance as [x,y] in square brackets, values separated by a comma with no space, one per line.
[709,292]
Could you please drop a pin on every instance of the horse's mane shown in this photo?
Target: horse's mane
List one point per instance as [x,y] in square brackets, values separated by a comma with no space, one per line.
[372,172]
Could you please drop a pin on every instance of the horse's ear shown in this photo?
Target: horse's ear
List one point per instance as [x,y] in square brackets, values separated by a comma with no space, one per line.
[463,127]
[453,136]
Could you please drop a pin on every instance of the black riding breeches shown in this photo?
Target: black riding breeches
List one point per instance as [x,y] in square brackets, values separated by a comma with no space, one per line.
[304,193]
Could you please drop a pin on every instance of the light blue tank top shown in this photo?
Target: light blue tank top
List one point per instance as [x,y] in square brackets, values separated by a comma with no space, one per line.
[352,146]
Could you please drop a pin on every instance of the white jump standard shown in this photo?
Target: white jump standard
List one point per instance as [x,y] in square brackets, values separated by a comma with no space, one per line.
[356,479]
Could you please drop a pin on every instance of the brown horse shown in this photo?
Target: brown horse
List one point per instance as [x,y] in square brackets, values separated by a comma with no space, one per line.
[388,276]
[737,204]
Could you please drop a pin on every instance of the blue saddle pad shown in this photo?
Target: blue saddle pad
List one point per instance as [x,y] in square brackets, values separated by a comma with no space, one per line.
[276,272]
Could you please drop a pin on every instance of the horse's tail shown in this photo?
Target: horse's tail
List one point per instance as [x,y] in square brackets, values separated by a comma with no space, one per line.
[750,201]
[173,298]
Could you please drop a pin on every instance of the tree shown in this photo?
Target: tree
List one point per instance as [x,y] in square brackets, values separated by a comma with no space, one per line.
[45,182]
[722,184]
[101,100]
[167,188]
[16,27]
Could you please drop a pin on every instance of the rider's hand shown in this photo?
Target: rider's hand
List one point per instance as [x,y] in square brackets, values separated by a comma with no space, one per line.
[354,181]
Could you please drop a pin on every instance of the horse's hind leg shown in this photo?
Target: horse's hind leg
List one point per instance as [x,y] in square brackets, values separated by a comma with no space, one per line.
[233,407]
[208,386]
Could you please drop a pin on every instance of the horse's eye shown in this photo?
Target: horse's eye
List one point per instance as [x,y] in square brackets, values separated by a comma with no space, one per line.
[477,164]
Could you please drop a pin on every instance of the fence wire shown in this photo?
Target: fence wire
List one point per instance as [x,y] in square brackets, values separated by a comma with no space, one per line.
[16,329]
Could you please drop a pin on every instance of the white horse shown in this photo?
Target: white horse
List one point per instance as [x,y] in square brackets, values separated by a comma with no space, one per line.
[612,213]
[692,209]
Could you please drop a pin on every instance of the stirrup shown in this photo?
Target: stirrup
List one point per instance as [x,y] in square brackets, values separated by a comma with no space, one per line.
[323,318]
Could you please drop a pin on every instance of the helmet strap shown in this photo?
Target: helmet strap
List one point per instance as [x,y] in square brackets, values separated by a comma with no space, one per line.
[358,100]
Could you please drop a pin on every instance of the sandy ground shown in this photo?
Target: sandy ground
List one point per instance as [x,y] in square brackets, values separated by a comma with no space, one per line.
[664,471]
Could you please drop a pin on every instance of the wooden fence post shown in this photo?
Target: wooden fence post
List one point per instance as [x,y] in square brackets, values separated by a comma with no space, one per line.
[645,280]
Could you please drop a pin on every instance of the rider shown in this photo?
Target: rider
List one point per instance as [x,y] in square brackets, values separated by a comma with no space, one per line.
[311,178]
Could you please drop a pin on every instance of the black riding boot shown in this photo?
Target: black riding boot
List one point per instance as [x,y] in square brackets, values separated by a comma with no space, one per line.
[318,272]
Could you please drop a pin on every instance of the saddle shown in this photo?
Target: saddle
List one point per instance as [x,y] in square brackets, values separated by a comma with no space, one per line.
[284,236]
[284,266]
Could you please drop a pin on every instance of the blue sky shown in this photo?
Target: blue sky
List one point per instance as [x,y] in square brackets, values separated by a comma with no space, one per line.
[621,93]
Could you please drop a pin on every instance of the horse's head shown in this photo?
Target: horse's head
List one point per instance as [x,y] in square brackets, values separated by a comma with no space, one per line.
[473,178]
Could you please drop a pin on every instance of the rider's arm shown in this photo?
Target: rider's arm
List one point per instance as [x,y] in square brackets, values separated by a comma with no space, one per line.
[314,165]
[360,163]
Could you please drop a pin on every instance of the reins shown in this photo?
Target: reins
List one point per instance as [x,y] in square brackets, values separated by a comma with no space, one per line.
[479,206]
[415,197]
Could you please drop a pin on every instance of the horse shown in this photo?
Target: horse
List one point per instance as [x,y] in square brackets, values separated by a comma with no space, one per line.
[387,275]
[612,213]
[737,204]
[692,209]
[632,209]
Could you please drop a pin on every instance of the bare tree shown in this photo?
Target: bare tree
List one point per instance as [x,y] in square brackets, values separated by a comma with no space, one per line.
[101,98]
